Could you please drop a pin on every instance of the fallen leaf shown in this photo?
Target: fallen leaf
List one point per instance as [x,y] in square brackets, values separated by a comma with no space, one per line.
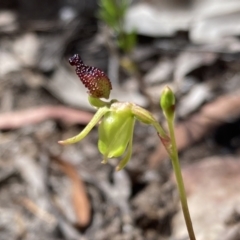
[21,118]
[80,199]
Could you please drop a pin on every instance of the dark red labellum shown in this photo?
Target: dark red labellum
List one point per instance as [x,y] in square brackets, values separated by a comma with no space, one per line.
[94,79]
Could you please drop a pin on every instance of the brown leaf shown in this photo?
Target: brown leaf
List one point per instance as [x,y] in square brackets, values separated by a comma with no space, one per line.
[17,119]
[80,199]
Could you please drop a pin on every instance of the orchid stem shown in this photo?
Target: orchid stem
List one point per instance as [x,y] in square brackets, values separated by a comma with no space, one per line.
[177,170]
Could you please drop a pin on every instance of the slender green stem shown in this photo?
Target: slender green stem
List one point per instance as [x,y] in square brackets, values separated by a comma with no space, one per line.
[178,174]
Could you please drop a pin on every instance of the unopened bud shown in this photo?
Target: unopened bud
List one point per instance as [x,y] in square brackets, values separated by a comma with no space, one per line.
[167,102]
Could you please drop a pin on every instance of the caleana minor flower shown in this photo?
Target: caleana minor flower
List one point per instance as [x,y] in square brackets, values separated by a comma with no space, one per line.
[117,119]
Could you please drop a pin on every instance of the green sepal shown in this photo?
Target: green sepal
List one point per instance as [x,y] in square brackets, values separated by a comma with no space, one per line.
[128,154]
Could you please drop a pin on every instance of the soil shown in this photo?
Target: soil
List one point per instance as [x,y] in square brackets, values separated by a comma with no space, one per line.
[38,196]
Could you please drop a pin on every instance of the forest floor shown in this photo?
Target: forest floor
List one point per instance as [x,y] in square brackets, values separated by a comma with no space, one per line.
[54,192]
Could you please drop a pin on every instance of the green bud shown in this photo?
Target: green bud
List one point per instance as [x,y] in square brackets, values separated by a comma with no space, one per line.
[115,130]
[167,103]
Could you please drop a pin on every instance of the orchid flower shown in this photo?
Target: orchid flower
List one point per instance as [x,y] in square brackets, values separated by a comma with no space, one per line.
[117,119]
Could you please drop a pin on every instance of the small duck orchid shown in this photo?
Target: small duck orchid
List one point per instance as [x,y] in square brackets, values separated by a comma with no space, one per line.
[117,119]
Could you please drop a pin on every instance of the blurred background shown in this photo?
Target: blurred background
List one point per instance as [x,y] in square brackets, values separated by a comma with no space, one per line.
[52,192]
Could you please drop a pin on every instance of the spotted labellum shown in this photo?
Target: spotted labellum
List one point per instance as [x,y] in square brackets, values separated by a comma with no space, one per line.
[94,79]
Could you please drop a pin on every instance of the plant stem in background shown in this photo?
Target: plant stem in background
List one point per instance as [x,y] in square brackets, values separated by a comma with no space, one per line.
[112,13]
[168,105]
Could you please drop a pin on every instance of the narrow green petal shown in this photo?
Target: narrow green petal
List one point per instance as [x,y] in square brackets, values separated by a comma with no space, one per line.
[96,118]
[146,117]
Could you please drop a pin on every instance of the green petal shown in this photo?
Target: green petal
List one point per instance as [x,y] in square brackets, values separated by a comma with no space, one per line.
[98,115]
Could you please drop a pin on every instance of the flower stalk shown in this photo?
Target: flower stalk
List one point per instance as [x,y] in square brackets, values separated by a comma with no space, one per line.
[168,105]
